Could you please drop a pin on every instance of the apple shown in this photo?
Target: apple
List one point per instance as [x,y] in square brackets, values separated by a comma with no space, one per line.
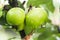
[35,18]
[15,16]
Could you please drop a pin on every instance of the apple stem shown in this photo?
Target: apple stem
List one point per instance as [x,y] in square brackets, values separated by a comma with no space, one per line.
[22,33]
[23,2]
[30,7]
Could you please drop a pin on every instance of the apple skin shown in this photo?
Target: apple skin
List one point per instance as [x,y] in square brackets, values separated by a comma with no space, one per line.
[35,18]
[15,16]
[20,27]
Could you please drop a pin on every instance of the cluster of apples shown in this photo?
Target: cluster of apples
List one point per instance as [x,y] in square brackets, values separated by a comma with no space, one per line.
[26,21]
[34,18]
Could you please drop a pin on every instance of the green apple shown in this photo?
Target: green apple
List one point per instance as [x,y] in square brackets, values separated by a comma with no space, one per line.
[35,18]
[15,16]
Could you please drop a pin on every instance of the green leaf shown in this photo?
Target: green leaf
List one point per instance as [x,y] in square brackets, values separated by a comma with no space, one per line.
[49,38]
[47,3]
[20,5]
[47,33]
[9,34]
[1,12]
[48,27]
[58,34]
[40,30]
[44,36]
[2,21]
